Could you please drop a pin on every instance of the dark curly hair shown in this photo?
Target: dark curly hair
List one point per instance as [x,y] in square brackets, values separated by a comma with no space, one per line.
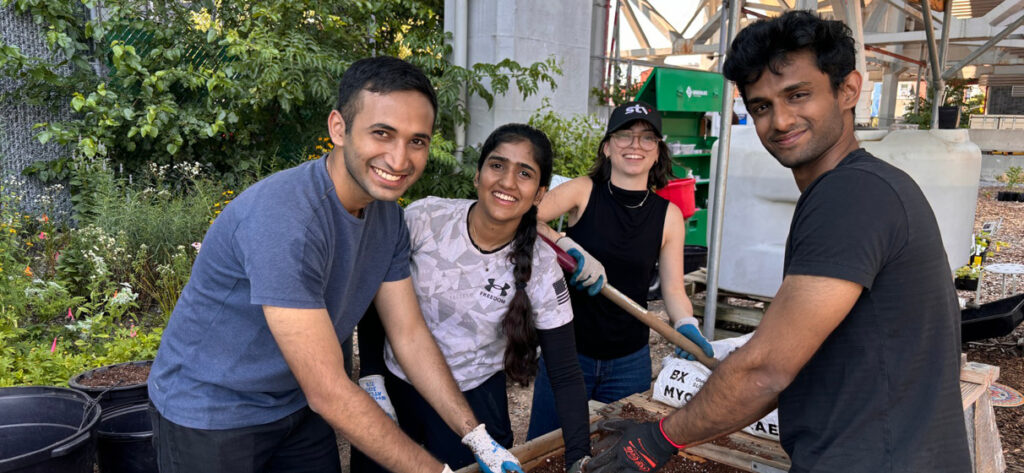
[518,324]
[767,44]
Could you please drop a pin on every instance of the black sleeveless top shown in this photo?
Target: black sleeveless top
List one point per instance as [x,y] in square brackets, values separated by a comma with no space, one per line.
[627,241]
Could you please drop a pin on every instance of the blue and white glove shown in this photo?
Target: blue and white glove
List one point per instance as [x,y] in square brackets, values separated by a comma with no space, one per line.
[374,386]
[688,327]
[490,455]
[589,271]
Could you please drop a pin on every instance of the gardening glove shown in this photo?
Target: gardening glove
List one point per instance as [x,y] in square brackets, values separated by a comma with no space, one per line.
[579,465]
[589,271]
[490,455]
[688,327]
[640,447]
[374,386]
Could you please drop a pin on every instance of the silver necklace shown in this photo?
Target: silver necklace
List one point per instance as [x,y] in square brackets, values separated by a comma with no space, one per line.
[641,204]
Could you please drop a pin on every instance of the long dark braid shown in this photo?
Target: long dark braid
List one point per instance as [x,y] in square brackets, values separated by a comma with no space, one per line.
[518,323]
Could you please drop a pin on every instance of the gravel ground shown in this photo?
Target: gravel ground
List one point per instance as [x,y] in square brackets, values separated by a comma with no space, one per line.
[1005,352]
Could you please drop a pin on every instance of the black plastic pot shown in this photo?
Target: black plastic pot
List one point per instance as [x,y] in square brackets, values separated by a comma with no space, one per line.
[47,429]
[966,284]
[994,319]
[949,117]
[112,397]
[125,442]
[1008,196]
[694,257]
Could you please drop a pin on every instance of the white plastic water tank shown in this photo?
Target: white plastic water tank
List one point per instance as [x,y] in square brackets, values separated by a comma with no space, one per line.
[761,196]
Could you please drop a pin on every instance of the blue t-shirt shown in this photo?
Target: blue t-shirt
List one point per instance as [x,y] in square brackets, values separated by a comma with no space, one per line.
[287,242]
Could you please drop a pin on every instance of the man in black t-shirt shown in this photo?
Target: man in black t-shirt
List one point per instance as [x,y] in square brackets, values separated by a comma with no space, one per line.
[860,348]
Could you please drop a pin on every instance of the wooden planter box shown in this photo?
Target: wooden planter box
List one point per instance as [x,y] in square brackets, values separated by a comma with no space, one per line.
[757,455]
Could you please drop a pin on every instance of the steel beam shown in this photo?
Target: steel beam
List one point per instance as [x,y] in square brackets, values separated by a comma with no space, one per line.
[634,25]
[657,19]
[696,13]
[949,74]
[709,28]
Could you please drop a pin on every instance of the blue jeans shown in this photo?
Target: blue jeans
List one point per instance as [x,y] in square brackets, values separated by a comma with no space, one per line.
[606,380]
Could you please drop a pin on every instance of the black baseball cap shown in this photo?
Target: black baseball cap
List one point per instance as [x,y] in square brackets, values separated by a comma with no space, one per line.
[631,111]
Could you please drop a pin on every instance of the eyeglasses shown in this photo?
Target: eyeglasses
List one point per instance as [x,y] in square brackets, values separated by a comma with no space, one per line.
[623,139]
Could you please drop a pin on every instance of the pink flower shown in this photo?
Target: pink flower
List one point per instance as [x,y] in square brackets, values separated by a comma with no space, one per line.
[70,315]
[131,332]
[197,245]
[54,346]
[42,235]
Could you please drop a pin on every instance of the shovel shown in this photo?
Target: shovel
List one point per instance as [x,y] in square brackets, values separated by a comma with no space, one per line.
[568,263]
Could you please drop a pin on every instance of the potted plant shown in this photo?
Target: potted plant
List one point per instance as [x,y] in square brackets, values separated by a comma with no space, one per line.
[1012,178]
[967,277]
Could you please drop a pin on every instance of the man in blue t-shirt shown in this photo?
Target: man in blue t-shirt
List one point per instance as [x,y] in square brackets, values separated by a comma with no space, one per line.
[860,349]
[250,373]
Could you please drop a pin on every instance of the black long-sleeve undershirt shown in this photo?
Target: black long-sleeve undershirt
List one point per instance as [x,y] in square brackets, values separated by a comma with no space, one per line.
[559,348]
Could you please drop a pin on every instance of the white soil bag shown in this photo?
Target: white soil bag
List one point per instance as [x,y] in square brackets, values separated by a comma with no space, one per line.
[679,380]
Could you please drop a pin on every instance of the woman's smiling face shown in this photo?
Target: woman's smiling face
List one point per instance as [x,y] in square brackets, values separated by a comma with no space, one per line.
[508,183]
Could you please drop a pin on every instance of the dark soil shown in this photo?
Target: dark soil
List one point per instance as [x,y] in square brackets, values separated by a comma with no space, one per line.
[1005,352]
[123,375]
[676,464]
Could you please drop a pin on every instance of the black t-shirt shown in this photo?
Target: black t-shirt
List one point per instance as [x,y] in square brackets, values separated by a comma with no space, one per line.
[623,231]
[882,393]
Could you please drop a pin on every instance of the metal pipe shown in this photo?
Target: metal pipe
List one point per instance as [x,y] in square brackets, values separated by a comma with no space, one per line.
[722,38]
[949,74]
[933,56]
[718,200]
[461,52]
[940,85]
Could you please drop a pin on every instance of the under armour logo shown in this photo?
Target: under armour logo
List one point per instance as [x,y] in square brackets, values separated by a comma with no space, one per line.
[504,290]
[636,109]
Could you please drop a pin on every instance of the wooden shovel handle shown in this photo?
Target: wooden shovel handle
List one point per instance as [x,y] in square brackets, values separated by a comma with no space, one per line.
[568,263]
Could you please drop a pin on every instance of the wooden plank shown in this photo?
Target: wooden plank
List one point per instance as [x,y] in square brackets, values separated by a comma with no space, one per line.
[988,452]
[970,392]
[729,313]
[739,449]
[979,373]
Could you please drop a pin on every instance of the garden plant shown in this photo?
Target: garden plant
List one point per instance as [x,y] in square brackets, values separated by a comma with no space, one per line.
[176,108]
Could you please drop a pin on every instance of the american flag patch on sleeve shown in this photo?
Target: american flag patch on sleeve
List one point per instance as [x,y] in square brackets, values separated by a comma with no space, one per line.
[561,291]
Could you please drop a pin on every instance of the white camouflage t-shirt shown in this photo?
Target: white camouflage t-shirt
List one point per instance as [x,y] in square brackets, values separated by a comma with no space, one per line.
[465,293]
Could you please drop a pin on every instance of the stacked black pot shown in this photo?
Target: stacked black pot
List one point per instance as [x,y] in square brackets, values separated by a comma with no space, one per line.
[124,432]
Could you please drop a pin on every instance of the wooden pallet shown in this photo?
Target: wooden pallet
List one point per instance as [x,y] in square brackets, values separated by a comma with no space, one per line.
[749,317]
[757,455]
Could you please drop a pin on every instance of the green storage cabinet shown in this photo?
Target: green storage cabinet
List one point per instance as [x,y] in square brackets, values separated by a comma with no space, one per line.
[683,96]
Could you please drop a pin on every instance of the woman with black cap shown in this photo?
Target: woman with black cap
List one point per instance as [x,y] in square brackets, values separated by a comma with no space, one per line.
[616,219]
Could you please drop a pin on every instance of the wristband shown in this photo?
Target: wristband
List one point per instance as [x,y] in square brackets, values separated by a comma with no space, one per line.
[661,427]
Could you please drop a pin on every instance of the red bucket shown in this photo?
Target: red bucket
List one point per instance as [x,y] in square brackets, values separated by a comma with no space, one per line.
[681,193]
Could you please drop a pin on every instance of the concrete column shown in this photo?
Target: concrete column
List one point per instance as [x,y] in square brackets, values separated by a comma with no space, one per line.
[853,16]
[893,23]
[527,31]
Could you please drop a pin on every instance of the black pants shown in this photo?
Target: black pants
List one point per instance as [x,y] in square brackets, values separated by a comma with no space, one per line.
[300,442]
[488,401]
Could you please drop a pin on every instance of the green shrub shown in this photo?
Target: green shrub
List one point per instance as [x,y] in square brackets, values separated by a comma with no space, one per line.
[242,86]
[574,139]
